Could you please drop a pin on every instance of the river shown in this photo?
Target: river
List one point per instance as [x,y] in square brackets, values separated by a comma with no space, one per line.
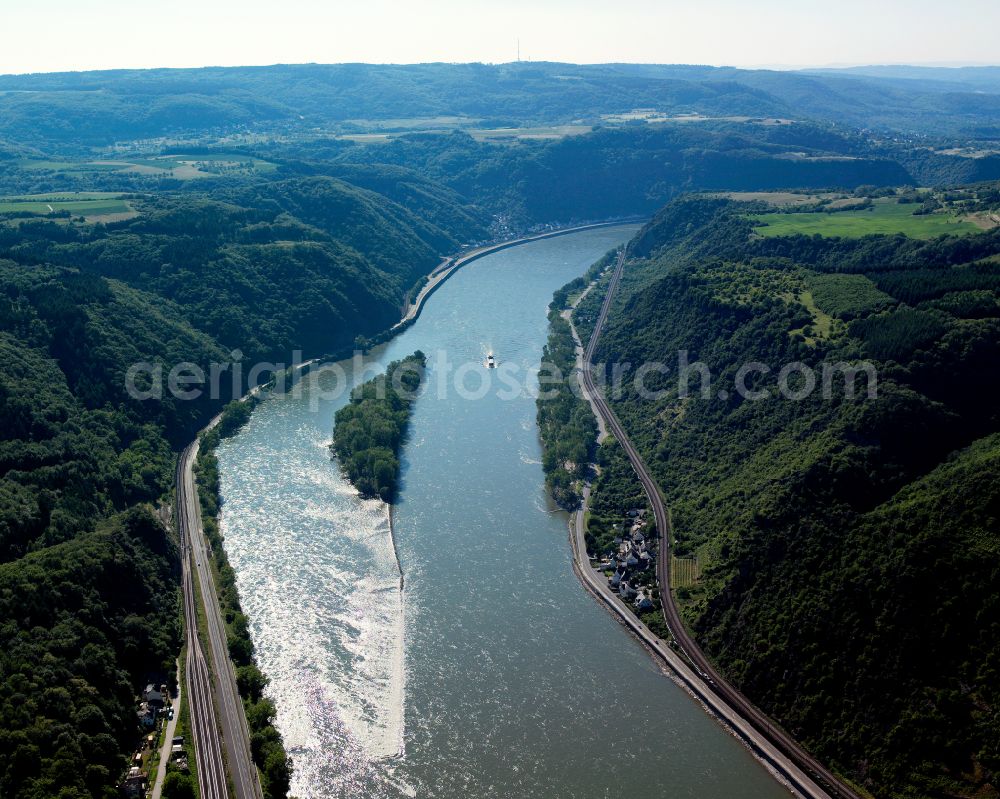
[493,674]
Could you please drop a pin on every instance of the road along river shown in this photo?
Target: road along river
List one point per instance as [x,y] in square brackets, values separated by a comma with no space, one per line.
[493,674]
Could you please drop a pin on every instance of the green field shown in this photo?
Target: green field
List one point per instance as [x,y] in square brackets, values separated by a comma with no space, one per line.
[886,216]
[549,132]
[206,162]
[181,167]
[63,196]
[67,166]
[684,572]
[87,204]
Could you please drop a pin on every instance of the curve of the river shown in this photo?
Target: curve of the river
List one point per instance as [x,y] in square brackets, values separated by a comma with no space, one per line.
[494,674]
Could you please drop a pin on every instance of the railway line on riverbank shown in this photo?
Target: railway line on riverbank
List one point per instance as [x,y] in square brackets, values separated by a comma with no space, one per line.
[214,707]
[776,747]
[204,725]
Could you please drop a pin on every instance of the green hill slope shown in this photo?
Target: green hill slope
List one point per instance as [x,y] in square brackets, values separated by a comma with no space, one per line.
[848,546]
[88,575]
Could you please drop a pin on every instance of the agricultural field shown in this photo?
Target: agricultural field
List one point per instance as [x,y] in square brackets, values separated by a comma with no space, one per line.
[653,117]
[985,220]
[550,132]
[885,216]
[368,138]
[412,123]
[90,205]
[789,199]
[684,572]
[180,167]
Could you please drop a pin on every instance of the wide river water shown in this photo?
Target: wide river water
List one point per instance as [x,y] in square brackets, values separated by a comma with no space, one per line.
[493,673]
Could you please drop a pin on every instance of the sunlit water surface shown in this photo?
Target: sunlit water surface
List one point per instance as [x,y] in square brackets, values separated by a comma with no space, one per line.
[493,673]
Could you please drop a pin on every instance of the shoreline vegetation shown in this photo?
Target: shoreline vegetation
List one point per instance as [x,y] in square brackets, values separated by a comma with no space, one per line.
[266,745]
[369,431]
[620,539]
[566,424]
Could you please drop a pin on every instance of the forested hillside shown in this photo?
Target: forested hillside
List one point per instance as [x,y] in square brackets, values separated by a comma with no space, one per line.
[298,263]
[89,573]
[252,264]
[848,546]
[452,184]
[620,172]
[84,622]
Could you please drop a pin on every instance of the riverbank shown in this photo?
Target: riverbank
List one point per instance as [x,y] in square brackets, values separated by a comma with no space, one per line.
[437,278]
[669,661]
[267,749]
[766,741]
[617,529]
[566,426]
[451,265]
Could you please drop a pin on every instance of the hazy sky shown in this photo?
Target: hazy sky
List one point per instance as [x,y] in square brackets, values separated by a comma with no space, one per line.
[50,35]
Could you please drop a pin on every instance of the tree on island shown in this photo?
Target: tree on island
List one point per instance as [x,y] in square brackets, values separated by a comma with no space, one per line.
[369,431]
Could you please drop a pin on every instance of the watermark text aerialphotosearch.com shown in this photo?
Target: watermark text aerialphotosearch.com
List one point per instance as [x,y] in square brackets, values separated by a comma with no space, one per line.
[472,379]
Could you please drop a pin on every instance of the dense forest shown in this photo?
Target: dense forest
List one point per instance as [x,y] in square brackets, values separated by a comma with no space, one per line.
[847,545]
[85,622]
[368,432]
[623,171]
[454,183]
[249,272]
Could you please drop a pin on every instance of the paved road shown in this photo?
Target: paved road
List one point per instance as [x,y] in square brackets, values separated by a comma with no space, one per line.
[602,429]
[168,736]
[807,775]
[232,719]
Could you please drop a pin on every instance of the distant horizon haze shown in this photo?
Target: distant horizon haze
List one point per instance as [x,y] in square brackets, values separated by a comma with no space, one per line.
[748,67]
[65,35]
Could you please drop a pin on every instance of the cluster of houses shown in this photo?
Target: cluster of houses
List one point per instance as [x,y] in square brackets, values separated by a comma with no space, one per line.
[633,559]
[153,707]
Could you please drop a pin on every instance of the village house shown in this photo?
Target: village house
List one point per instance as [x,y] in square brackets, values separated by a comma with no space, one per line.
[135,784]
[153,696]
[146,716]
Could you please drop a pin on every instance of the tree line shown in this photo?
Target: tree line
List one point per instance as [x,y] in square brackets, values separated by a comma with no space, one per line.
[368,432]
